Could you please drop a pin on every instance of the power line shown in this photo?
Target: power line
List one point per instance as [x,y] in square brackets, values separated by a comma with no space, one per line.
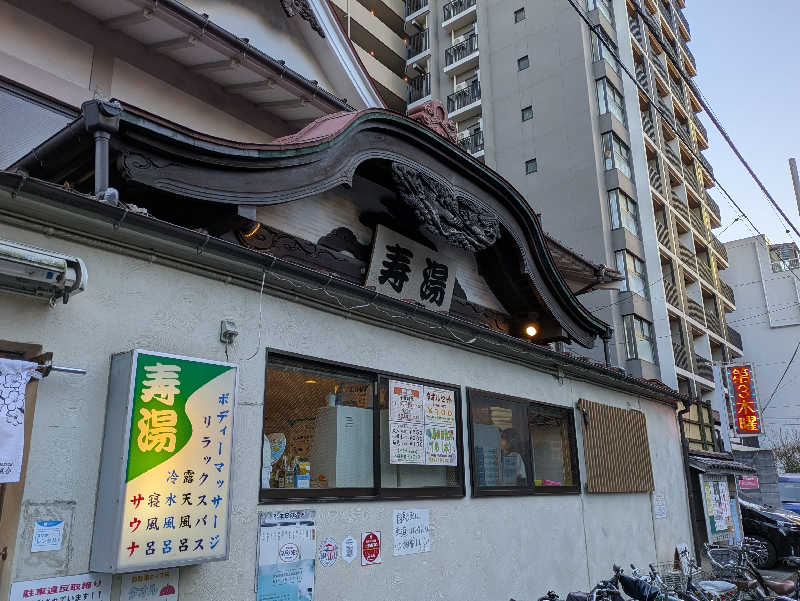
[783,375]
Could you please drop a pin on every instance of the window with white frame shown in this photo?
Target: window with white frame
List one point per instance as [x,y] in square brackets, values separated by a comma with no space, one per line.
[639,338]
[635,273]
[609,100]
[616,154]
[604,6]
[600,49]
[624,211]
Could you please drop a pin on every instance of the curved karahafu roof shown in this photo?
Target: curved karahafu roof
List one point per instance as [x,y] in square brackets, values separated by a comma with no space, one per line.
[440,189]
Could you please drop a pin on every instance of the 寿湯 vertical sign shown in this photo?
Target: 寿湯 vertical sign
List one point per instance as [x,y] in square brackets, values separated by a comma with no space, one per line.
[422,425]
[743,400]
[166,503]
[404,269]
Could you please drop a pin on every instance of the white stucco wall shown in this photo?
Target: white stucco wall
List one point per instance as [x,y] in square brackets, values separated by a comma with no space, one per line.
[488,548]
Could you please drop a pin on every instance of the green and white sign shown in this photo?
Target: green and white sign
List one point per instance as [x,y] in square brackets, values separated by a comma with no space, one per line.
[170,419]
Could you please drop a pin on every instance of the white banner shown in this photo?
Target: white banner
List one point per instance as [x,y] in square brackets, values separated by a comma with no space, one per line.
[14,378]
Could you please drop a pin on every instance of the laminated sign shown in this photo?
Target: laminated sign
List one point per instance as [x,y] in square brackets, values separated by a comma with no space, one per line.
[170,420]
[422,425]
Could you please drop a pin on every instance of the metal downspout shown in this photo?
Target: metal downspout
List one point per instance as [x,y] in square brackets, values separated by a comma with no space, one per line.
[687,405]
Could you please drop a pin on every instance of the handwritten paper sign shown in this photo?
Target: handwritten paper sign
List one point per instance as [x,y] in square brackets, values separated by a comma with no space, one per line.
[422,425]
[412,533]
[165,475]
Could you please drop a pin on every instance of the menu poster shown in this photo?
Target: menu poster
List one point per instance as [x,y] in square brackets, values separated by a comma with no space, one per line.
[286,555]
[406,443]
[422,425]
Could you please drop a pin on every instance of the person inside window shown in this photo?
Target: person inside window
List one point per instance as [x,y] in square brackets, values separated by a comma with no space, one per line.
[512,472]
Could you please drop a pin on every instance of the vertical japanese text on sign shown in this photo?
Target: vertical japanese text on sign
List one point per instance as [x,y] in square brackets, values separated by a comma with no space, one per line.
[743,400]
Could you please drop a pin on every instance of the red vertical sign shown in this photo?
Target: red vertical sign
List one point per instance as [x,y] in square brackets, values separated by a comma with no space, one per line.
[743,399]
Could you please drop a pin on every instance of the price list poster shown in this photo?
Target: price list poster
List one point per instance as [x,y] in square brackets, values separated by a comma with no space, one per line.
[170,419]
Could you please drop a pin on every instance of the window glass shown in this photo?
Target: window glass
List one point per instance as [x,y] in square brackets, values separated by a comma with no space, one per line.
[531,166]
[600,50]
[519,15]
[790,491]
[616,154]
[624,211]
[520,446]
[609,100]
[523,63]
[638,338]
[322,419]
[527,113]
[634,270]
[604,6]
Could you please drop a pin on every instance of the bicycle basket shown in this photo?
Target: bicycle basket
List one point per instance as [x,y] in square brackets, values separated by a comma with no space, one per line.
[724,564]
[672,579]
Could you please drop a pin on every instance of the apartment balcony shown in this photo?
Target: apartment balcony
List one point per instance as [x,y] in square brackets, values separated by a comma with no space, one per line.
[679,205]
[714,324]
[473,143]
[416,14]
[704,162]
[659,65]
[695,311]
[688,52]
[418,52]
[677,90]
[698,224]
[672,295]
[702,368]
[734,337]
[654,173]
[719,247]
[699,126]
[416,6]
[712,205]
[458,14]
[727,293]
[684,133]
[681,356]
[636,28]
[670,153]
[648,125]
[687,256]
[419,88]
[462,56]
[666,111]
[690,176]
[465,102]
[641,76]
[705,271]
[662,233]
[683,20]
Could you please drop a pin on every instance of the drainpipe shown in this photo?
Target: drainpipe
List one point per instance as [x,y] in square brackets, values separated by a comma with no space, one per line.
[101,119]
[606,336]
[687,405]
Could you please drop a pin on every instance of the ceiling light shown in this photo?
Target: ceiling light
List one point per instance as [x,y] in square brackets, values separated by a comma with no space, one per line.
[531,330]
[310,381]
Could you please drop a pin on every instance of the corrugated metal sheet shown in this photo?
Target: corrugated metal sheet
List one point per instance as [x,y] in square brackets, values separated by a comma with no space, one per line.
[24,124]
[616,449]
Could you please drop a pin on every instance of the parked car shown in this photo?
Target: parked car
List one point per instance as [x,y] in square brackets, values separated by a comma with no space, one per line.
[776,528]
[789,486]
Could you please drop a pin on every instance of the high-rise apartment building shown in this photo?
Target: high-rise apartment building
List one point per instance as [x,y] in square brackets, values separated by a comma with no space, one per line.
[615,167]
[377,30]
[767,283]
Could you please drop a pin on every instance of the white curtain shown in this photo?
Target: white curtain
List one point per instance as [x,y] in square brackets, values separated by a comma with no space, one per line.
[14,378]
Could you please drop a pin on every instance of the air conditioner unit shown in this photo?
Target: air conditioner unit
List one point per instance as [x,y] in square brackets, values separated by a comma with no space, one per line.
[40,273]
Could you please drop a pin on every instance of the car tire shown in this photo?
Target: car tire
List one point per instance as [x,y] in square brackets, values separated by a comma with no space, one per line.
[768,562]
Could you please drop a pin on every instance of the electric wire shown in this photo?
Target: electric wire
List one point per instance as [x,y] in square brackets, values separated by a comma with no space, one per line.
[783,375]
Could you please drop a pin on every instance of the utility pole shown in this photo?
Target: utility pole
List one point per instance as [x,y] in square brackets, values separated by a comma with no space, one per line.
[795,181]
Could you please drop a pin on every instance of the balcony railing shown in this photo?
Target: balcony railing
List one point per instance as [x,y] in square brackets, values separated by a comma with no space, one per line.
[641,76]
[671,292]
[666,110]
[689,54]
[698,223]
[461,50]
[659,65]
[647,124]
[662,233]
[687,256]
[672,155]
[464,97]
[690,176]
[785,265]
[712,205]
[734,337]
[417,44]
[704,162]
[682,19]
[677,89]
[683,132]
[680,205]
[654,172]
[413,6]
[456,7]
[695,311]
[699,126]
[636,28]
[727,292]
[705,270]
[681,356]
[472,143]
[714,324]
[419,88]
[702,368]
[718,246]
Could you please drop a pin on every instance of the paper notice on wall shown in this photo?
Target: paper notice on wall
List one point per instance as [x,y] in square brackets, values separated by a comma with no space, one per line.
[47,535]
[659,506]
[155,585]
[349,549]
[439,405]
[405,402]
[371,548]
[440,445]
[14,378]
[411,530]
[406,443]
[94,587]
[286,553]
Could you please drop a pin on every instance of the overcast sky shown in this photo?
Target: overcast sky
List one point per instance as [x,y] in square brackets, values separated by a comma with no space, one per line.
[748,65]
